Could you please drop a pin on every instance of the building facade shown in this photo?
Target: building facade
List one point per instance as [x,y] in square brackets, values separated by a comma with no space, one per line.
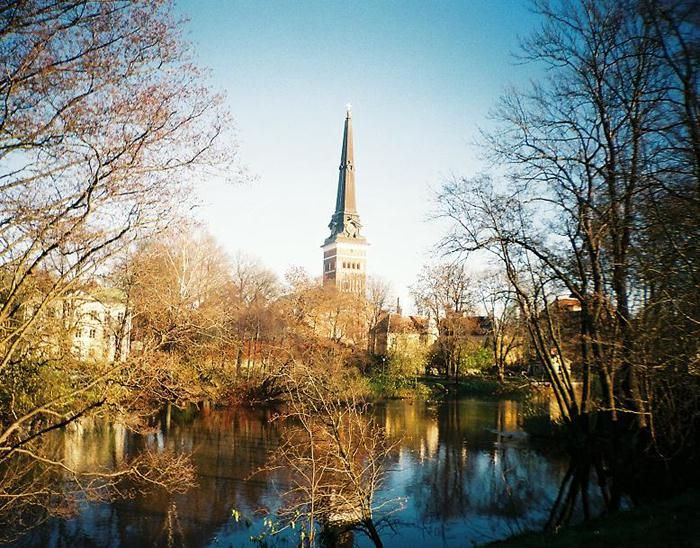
[101,324]
[345,250]
[394,331]
[93,325]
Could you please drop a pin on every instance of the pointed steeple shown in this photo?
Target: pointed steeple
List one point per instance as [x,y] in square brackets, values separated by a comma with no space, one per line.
[345,221]
[345,201]
[345,250]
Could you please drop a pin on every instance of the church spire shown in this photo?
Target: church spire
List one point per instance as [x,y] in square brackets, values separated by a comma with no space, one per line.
[345,221]
[345,201]
[345,250]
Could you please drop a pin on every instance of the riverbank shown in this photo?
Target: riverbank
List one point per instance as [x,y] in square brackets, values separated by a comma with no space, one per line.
[673,522]
[485,386]
[385,387]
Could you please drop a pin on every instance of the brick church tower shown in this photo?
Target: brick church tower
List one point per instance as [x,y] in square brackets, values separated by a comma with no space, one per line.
[345,250]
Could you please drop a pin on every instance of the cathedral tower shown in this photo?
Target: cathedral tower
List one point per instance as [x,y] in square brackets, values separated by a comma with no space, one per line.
[345,250]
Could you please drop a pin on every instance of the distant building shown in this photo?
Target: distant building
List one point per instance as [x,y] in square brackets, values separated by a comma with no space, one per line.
[466,327]
[102,325]
[564,315]
[345,250]
[396,331]
[91,324]
[567,304]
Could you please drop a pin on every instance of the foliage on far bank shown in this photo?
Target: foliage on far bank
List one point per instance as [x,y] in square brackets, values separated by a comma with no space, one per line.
[478,385]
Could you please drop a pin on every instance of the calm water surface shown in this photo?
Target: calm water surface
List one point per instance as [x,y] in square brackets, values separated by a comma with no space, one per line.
[461,482]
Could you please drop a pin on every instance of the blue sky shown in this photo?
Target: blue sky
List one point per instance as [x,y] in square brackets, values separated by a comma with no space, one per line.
[421,77]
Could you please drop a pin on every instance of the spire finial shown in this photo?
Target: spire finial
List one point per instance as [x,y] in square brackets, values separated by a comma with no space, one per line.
[348,110]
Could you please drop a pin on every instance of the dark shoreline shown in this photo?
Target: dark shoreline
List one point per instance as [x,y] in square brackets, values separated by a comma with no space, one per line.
[671,522]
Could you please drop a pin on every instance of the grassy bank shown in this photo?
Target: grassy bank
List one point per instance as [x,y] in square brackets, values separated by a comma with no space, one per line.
[387,387]
[674,522]
[484,386]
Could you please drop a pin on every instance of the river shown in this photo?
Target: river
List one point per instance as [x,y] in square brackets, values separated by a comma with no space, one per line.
[457,479]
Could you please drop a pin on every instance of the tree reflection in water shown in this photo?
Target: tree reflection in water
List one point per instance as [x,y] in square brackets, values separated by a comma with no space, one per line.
[469,474]
[465,470]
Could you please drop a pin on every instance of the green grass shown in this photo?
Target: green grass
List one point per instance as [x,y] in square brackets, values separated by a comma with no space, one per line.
[478,385]
[385,386]
[673,523]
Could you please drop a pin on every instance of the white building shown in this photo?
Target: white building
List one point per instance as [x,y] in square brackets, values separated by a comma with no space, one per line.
[101,325]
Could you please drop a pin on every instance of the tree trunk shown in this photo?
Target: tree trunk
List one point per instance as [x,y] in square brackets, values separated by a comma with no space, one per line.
[373,534]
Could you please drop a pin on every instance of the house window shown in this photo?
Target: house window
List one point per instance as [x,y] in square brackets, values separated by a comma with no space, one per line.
[120,316]
[93,333]
[94,316]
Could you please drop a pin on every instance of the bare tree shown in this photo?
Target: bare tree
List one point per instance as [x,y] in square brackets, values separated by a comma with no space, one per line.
[103,115]
[600,203]
[500,304]
[103,112]
[378,295]
[445,291]
[335,452]
[319,311]
[253,289]
[175,291]
[576,147]
[443,288]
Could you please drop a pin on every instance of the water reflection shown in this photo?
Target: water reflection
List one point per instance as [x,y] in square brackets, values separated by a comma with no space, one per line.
[467,474]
